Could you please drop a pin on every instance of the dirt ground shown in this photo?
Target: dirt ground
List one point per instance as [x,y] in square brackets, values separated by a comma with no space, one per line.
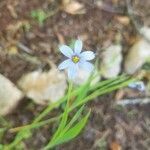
[110,127]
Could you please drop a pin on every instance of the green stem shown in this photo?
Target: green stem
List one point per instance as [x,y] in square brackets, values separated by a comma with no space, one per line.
[64,118]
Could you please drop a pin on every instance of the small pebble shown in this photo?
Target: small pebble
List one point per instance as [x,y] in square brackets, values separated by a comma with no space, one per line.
[137,85]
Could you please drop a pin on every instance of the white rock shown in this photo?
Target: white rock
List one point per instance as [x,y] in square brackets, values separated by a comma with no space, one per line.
[10,95]
[137,56]
[139,52]
[44,87]
[111,61]
[83,76]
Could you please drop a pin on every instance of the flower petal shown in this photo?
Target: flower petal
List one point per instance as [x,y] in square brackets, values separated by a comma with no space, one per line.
[78,46]
[72,71]
[66,50]
[86,66]
[87,55]
[65,64]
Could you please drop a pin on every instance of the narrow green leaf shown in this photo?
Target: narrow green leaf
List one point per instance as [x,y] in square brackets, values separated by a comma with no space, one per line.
[100,91]
[108,82]
[70,134]
[61,126]
[73,120]
[65,114]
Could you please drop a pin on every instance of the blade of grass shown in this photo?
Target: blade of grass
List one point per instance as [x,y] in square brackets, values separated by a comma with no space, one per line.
[100,92]
[108,82]
[70,134]
[73,120]
[35,125]
[65,114]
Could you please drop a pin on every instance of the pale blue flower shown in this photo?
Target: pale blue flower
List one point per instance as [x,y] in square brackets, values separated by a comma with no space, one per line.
[76,60]
[139,85]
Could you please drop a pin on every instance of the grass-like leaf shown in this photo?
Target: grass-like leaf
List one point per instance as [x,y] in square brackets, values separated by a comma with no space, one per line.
[80,99]
[70,134]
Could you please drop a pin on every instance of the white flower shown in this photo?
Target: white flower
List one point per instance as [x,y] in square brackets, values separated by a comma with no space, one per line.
[76,60]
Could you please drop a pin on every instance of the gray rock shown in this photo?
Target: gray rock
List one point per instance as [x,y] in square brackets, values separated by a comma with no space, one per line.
[137,56]
[111,61]
[139,53]
[10,95]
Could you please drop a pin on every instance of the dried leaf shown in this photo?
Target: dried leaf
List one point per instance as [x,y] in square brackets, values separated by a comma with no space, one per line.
[74,8]
[12,11]
[123,19]
[115,146]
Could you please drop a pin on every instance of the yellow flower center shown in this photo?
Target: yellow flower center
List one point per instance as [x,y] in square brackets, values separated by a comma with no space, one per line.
[75,59]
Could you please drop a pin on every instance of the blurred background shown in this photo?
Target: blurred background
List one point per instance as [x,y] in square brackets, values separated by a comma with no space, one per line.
[116,30]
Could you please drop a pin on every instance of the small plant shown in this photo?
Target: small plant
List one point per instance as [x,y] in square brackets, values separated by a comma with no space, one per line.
[39,15]
[75,100]
[76,59]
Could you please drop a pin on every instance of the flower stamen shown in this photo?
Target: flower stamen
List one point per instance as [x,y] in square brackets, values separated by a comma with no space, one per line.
[75,59]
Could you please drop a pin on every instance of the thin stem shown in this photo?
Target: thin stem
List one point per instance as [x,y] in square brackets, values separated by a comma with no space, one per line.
[35,125]
[63,120]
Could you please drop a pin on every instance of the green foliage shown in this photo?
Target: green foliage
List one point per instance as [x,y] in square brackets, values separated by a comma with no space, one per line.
[69,131]
[79,96]
[2,131]
[72,132]
[1,147]
[39,15]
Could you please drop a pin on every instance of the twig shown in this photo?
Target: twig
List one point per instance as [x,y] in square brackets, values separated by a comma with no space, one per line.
[24,48]
[29,58]
[28,54]
[139,101]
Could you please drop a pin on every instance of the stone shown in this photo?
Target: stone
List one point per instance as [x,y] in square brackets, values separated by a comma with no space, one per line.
[138,53]
[10,95]
[137,56]
[44,87]
[111,61]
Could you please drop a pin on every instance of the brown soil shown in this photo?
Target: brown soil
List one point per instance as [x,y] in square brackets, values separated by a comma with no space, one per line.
[109,127]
